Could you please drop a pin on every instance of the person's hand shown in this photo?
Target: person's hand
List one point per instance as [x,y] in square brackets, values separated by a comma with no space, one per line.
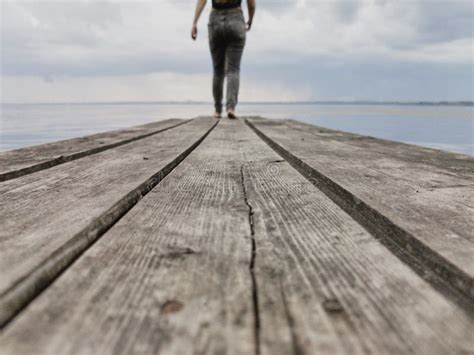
[194,32]
[249,26]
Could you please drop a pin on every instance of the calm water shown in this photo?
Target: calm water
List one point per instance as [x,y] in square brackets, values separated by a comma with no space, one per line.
[443,127]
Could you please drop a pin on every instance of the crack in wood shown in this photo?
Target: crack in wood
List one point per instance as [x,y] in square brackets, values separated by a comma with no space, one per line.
[253,256]
[446,278]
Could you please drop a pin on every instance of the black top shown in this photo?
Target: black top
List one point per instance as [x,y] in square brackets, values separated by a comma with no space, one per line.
[226,4]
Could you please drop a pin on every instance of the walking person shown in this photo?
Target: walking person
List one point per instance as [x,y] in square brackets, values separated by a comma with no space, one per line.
[227,32]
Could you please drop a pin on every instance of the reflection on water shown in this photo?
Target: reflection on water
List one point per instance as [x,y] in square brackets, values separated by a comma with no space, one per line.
[443,127]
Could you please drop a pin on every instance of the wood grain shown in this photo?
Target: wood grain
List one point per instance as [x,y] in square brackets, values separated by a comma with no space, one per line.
[20,162]
[416,200]
[171,277]
[48,218]
[236,252]
[337,288]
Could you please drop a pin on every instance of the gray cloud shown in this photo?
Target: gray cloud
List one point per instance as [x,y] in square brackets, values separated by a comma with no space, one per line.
[299,44]
[445,21]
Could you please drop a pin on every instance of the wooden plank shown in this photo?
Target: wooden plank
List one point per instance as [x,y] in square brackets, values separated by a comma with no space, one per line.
[171,277]
[418,201]
[339,290]
[49,218]
[236,252]
[28,160]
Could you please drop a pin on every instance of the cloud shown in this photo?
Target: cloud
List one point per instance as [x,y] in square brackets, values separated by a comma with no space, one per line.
[371,29]
[163,86]
[64,39]
[93,37]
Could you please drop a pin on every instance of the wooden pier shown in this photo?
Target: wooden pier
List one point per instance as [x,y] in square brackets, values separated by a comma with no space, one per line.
[249,236]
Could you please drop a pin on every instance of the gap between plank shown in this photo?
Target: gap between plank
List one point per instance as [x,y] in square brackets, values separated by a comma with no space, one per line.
[253,256]
[26,289]
[65,159]
[449,280]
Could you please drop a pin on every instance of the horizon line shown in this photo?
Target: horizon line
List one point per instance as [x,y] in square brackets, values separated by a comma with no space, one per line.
[305,102]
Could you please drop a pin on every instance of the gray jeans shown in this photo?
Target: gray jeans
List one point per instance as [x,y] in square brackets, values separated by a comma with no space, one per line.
[227,40]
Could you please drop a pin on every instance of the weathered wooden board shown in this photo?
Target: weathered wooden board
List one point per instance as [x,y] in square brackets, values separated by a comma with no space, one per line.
[421,199]
[49,217]
[172,276]
[237,252]
[337,287]
[25,161]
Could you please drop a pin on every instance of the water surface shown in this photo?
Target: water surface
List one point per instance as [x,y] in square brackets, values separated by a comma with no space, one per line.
[449,128]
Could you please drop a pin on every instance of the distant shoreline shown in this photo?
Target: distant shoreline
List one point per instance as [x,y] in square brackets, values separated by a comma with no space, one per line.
[380,103]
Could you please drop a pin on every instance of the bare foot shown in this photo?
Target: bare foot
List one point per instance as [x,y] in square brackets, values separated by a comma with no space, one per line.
[231,115]
[217,115]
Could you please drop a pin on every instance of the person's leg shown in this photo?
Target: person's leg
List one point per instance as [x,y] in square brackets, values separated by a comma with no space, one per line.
[218,49]
[234,51]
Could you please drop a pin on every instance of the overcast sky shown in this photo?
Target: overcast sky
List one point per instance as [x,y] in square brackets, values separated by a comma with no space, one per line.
[83,51]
